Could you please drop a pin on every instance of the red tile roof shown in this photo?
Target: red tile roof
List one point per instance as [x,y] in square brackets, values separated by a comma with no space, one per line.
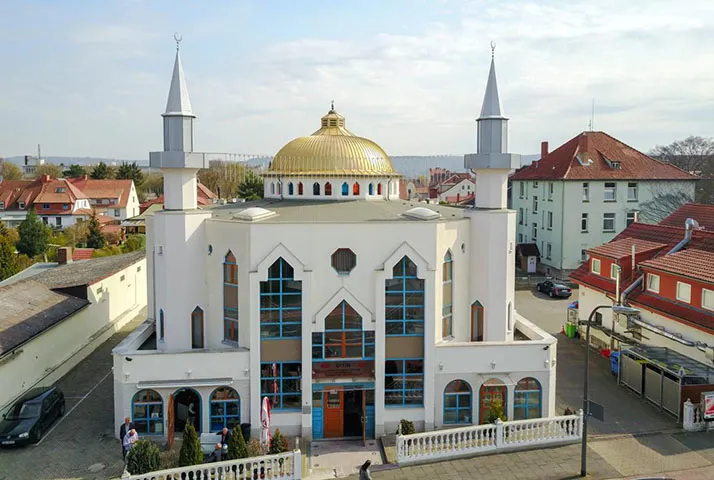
[679,311]
[701,239]
[205,197]
[99,189]
[623,248]
[693,263]
[82,254]
[58,191]
[703,214]
[571,161]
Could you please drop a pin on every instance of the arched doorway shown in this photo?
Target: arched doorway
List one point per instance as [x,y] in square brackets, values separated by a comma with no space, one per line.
[187,409]
[491,391]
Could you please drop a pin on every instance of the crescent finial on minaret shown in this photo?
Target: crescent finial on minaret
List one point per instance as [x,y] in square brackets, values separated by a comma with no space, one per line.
[178,39]
[493,48]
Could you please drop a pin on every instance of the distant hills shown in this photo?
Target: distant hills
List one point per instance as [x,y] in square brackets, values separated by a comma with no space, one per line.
[410,166]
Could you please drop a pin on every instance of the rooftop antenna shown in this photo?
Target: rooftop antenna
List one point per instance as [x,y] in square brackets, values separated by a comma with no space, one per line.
[39,152]
[592,116]
[178,39]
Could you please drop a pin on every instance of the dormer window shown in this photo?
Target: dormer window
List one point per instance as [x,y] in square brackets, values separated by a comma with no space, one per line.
[45,206]
[653,283]
[2,205]
[60,190]
[615,165]
[684,292]
[21,205]
[65,206]
[595,266]
[708,299]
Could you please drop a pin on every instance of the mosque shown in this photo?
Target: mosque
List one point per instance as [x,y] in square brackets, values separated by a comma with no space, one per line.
[348,308]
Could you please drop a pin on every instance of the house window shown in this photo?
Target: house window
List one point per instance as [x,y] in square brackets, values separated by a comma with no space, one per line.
[45,206]
[344,261]
[684,292]
[610,192]
[608,222]
[653,282]
[147,412]
[225,408]
[60,190]
[527,399]
[403,382]
[281,383]
[477,322]
[370,189]
[631,218]
[550,220]
[535,204]
[521,189]
[58,221]
[457,403]
[535,184]
[447,296]
[330,344]
[614,271]
[520,216]
[116,212]
[272,188]
[404,300]
[584,223]
[550,191]
[230,298]
[280,302]
[632,192]
[65,206]
[586,192]
[708,299]
[548,250]
[535,232]
[197,328]
[520,238]
[583,255]
[161,325]
[595,266]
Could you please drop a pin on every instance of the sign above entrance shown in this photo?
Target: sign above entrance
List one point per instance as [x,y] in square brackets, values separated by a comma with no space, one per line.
[356,368]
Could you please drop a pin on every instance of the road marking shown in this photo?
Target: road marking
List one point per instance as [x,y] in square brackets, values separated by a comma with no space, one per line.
[72,409]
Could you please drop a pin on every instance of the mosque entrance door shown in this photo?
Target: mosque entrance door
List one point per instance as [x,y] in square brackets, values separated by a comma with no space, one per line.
[334,409]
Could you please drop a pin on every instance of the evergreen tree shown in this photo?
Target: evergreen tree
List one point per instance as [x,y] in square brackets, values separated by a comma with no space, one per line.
[144,457]
[74,171]
[252,187]
[9,265]
[130,171]
[34,237]
[191,453]
[95,239]
[237,448]
[278,443]
[101,171]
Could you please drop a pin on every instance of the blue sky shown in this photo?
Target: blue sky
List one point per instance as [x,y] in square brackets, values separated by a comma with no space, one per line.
[91,78]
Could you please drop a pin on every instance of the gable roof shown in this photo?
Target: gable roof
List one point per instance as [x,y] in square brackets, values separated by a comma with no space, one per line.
[703,214]
[589,156]
[109,188]
[622,248]
[691,262]
[58,191]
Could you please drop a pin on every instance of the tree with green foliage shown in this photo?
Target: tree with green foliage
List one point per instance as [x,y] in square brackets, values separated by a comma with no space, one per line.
[34,236]
[191,452]
[10,171]
[49,169]
[133,243]
[251,188]
[9,265]
[74,171]
[95,239]
[144,457]
[237,448]
[278,443]
[102,171]
[130,171]
[495,412]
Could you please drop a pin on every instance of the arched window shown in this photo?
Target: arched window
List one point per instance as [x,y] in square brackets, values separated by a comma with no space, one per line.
[280,302]
[355,188]
[457,402]
[328,189]
[477,327]
[225,408]
[197,328]
[230,298]
[299,188]
[404,302]
[280,188]
[272,188]
[492,393]
[447,298]
[316,189]
[345,189]
[344,337]
[527,399]
[161,325]
[290,189]
[379,189]
[147,412]
[371,189]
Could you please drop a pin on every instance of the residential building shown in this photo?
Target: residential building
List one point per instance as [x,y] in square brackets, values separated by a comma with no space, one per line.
[702,213]
[584,193]
[54,315]
[330,300]
[113,198]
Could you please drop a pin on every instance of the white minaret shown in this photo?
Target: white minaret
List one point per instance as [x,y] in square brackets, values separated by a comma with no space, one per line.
[493,226]
[176,245]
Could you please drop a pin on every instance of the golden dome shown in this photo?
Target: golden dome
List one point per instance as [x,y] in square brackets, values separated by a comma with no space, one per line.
[332,150]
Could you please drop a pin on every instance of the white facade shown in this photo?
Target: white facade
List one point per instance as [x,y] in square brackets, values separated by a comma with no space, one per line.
[551,214]
[399,264]
[463,189]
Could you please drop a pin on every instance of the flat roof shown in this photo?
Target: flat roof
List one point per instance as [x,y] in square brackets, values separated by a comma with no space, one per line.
[31,271]
[87,272]
[335,211]
[689,370]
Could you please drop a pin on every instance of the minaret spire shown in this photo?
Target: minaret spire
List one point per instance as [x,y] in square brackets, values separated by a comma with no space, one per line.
[491,101]
[178,102]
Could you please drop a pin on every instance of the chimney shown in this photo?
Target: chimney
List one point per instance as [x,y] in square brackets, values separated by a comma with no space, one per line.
[543,149]
[44,178]
[583,142]
[64,255]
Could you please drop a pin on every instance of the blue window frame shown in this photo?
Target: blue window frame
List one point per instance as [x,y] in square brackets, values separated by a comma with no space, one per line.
[343,336]
[161,325]
[447,298]
[404,382]
[147,412]
[371,188]
[230,298]
[458,403]
[281,383]
[225,408]
[404,300]
[527,399]
[345,189]
[280,303]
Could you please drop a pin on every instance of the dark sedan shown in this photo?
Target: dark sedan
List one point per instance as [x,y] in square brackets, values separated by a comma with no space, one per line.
[554,289]
[31,416]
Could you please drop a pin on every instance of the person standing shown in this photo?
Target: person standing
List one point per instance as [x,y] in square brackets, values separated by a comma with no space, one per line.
[125,427]
[130,439]
[364,471]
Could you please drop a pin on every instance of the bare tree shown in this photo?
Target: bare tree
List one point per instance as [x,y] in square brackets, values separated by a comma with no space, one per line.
[695,155]
[665,200]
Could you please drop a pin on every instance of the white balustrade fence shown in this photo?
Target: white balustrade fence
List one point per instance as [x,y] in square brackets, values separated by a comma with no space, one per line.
[479,439]
[692,419]
[284,466]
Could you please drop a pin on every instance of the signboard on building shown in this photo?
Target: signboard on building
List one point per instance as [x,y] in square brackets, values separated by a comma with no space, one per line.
[708,405]
[342,369]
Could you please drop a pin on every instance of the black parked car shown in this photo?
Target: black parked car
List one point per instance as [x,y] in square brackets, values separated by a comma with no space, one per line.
[554,289]
[30,416]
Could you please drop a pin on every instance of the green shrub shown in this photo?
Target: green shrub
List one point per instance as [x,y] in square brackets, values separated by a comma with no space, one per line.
[278,444]
[495,411]
[191,453]
[237,448]
[144,457]
[407,427]
[255,449]
[169,459]
[133,243]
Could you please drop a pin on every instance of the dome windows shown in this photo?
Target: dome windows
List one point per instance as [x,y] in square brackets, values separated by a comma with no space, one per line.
[344,261]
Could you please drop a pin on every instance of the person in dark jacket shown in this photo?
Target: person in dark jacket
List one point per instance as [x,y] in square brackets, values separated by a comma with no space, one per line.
[364,471]
[225,436]
[125,427]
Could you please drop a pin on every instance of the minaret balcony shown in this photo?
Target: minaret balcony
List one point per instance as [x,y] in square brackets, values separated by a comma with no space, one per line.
[193,160]
[495,161]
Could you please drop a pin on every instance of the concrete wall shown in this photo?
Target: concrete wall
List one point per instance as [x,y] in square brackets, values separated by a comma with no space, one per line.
[49,356]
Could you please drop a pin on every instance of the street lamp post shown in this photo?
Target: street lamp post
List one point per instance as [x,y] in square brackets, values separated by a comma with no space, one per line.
[619,309]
